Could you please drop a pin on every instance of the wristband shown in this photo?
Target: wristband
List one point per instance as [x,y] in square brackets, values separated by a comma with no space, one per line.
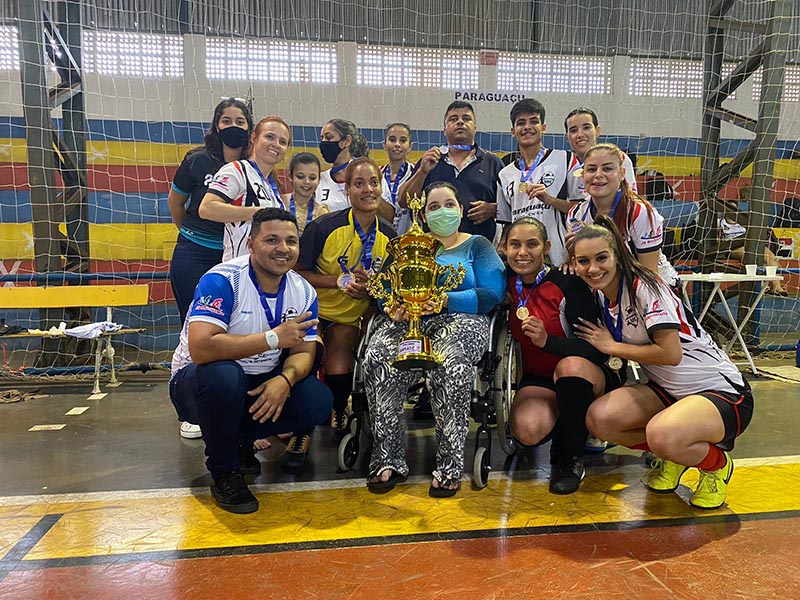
[286,379]
[272,340]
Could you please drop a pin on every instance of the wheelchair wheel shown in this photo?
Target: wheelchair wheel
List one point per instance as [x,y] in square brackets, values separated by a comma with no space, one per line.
[347,454]
[506,377]
[481,467]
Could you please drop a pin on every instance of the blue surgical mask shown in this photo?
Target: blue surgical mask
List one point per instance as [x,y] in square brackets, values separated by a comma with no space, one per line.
[444,222]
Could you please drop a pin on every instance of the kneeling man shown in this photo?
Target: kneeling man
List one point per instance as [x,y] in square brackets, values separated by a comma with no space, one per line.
[244,365]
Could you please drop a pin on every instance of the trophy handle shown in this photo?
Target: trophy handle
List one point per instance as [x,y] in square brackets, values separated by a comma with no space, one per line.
[454,276]
[376,288]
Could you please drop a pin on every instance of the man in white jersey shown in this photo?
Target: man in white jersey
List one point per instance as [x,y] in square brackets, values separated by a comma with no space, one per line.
[582,132]
[535,184]
[244,366]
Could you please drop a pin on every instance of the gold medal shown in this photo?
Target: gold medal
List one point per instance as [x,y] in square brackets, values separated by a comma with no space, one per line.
[523,313]
[614,363]
[523,187]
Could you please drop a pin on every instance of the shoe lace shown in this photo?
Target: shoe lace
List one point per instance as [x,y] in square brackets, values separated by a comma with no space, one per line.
[299,444]
[708,480]
[231,484]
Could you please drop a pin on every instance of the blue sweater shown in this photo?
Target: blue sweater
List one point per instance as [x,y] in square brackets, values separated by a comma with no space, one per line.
[485,283]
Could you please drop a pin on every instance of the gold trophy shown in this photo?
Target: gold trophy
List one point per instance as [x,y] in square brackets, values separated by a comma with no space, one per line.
[413,276]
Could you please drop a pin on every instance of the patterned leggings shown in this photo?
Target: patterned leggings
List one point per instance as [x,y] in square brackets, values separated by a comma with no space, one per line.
[461,339]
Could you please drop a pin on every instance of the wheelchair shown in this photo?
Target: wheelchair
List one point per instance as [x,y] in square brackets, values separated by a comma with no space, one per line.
[496,378]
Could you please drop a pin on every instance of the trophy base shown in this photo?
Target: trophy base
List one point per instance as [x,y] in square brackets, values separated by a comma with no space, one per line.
[415,362]
[416,354]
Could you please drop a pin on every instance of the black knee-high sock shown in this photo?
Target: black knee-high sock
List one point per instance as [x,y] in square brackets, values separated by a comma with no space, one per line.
[341,386]
[573,395]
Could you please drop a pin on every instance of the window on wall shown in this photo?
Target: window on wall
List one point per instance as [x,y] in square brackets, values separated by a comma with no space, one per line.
[9,49]
[554,74]
[387,66]
[271,60]
[791,84]
[670,78]
[144,55]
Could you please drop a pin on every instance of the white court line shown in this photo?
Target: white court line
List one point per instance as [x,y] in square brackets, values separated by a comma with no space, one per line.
[304,486]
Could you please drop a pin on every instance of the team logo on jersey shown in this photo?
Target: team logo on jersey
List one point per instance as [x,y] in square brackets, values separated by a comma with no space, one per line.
[631,318]
[548,178]
[209,305]
[655,310]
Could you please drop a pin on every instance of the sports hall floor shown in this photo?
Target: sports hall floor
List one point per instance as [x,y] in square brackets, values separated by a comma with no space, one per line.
[115,505]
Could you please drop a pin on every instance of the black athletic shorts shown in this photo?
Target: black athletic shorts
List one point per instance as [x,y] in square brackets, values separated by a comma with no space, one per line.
[735,409]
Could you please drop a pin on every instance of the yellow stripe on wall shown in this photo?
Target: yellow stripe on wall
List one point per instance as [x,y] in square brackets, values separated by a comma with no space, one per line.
[108,241]
[13,150]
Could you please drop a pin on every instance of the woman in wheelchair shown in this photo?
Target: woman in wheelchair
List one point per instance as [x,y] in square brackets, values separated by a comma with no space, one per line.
[459,333]
[695,403]
[562,375]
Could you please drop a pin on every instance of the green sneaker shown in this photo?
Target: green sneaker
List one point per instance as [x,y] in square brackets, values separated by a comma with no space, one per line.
[713,486]
[664,476]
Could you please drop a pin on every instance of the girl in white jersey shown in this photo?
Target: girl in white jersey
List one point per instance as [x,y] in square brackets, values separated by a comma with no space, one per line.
[641,226]
[242,187]
[340,142]
[696,402]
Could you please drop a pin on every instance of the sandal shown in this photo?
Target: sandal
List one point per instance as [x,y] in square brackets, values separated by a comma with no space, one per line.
[376,485]
[447,487]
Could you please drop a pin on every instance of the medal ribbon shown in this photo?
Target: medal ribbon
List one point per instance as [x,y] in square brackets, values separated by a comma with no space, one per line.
[393,187]
[335,170]
[309,214]
[446,147]
[273,320]
[614,327]
[610,213]
[268,181]
[367,241]
[523,301]
[526,173]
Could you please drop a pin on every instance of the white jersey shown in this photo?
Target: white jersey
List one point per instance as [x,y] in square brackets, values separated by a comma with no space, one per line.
[643,236]
[402,216]
[577,191]
[330,193]
[513,204]
[238,183]
[227,297]
[703,367]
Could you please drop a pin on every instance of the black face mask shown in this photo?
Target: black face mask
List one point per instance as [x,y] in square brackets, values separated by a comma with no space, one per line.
[330,151]
[234,137]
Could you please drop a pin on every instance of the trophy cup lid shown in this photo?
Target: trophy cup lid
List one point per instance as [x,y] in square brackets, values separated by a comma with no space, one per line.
[415,236]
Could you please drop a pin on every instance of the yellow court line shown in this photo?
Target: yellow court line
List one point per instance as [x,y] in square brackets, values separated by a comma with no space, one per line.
[188,523]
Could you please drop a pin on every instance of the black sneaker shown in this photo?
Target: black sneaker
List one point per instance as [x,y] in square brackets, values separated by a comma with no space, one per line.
[248,463]
[566,476]
[296,454]
[232,494]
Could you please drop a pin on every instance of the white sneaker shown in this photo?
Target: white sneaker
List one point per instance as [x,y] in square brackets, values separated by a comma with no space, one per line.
[731,231]
[594,445]
[190,431]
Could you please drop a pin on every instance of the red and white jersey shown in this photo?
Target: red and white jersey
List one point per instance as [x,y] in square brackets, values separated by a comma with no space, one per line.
[577,191]
[331,193]
[645,233]
[703,367]
[402,216]
[512,204]
[238,183]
